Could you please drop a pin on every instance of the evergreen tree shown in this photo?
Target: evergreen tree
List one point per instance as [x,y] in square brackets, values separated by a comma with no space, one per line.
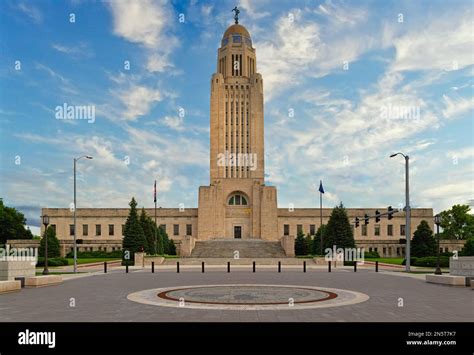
[171,248]
[162,242]
[338,231]
[300,244]
[468,249]
[53,244]
[316,250]
[308,244]
[134,237]
[147,226]
[423,243]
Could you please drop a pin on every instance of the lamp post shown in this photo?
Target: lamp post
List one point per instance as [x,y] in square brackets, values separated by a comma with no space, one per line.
[45,222]
[437,220]
[75,229]
[407,210]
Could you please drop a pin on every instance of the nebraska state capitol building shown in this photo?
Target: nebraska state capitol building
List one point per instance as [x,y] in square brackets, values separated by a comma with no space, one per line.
[237,204]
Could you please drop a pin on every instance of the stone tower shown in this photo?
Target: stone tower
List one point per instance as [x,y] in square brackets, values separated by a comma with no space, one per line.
[237,204]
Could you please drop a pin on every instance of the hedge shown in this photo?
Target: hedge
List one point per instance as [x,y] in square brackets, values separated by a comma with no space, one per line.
[53,262]
[429,261]
[96,254]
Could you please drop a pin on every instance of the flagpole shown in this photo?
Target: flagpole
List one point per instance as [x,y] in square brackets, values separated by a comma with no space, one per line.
[321,217]
[156,227]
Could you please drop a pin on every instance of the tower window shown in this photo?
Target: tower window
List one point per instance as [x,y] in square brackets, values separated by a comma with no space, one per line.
[238,200]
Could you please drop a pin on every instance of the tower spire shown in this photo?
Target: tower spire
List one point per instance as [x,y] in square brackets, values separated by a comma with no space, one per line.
[236,16]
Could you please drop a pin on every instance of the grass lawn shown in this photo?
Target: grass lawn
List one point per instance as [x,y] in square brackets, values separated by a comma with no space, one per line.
[90,260]
[395,261]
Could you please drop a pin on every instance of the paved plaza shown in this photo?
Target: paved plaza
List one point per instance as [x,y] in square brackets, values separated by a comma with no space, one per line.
[104,297]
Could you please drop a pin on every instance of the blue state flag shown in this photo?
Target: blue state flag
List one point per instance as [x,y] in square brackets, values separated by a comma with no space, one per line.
[321,189]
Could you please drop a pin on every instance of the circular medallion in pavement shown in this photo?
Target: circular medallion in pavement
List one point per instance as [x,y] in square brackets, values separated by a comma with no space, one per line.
[248,297]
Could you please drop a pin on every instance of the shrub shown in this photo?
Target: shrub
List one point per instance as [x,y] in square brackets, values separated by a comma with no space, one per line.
[171,247]
[412,261]
[52,261]
[468,249]
[96,254]
[430,261]
[371,254]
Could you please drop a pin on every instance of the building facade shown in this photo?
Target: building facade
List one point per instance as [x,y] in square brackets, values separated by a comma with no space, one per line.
[237,204]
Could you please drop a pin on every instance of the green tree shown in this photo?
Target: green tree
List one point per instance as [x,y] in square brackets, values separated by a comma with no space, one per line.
[134,237]
[171,248]
[457,223]
[316,250]
[468,249]
[308,240]
[149,231]
[423,243]
[300,244]
[338,231]
[12,224]
[53,244]
[162,242]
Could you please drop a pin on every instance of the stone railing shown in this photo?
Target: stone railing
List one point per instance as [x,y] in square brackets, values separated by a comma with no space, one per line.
[186,246]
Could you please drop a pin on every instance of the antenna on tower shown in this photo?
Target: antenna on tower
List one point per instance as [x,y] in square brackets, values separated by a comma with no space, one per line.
[236,16]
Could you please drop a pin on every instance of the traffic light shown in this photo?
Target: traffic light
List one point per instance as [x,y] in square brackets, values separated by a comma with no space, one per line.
[357,222]
[377,216]
[390,212]
[366,219]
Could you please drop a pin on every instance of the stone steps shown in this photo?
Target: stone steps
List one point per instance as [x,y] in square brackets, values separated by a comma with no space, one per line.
[254,248]
[242,261]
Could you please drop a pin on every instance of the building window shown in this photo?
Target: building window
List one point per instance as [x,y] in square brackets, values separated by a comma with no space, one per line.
[163,227]
[398,251]
[175,229]
[238,200]
[402,229]
[370,250]
[390,230]
[85,230]
[384,251]
[123,229]
[71,229]
[53,227]
[189,229]
[377,230]
[364,230]
[111,229]
[375,249]
[312,229]
[299,228]
[286,229]
[98,230]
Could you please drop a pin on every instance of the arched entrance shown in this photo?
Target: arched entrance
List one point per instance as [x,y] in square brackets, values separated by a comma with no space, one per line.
[237,216]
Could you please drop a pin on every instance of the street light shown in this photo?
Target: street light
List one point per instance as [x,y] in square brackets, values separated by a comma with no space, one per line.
[437,220]
[45,222]
[407,209]
[75,229]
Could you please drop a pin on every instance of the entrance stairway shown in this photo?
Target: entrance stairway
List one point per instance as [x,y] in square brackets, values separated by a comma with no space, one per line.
[249,248]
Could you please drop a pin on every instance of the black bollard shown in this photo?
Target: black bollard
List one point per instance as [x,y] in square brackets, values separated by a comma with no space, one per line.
[254,266]
[105,267]
[304,266]
[329,266]
[279,266]
[202,266]
[228,266]
[376,266]
[177,267]
[152,267]
[355,266]
[126,268]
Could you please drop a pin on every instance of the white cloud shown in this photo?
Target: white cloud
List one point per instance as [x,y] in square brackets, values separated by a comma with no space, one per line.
[138,100]
[148,24]
[443,44]
[31,11]
[456,107]
[173,122]
[79,50]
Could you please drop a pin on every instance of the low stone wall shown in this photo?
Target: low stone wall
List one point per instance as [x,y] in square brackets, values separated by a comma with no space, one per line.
[288,245]
[335,261]
[156,259]
[42,281]
[9,286]
[9,269]
[461,266]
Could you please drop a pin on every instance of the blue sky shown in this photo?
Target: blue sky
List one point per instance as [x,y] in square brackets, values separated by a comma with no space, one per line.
[330,69]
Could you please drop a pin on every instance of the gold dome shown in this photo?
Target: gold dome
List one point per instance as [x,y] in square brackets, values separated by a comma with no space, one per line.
[236,29]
